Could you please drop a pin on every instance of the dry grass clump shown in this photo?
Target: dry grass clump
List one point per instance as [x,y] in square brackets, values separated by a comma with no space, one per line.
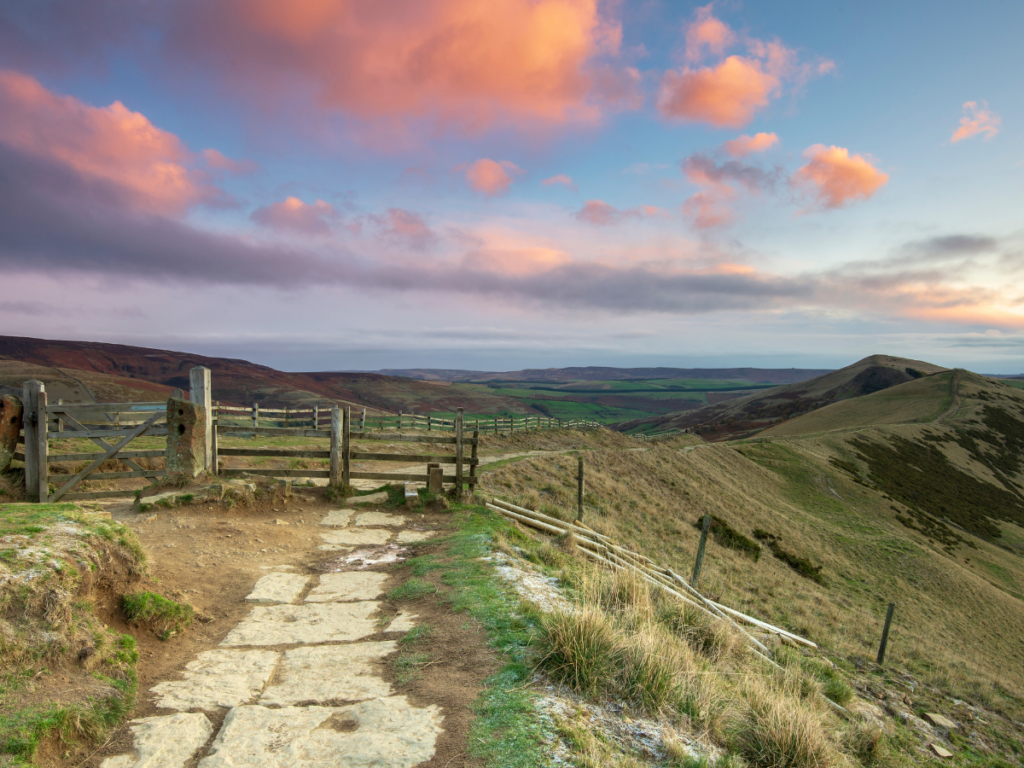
[781,728]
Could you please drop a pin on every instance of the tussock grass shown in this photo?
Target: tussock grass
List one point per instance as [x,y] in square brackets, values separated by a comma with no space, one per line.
[167,617]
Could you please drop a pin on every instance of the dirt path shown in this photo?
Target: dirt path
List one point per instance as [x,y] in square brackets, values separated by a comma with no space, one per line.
[954,390]
[291,665]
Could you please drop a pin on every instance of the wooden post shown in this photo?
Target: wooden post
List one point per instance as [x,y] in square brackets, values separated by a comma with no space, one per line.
[380,416]
[399,421]
[430,420]
[286,417]
[700,551]
[335,445]
[60,421]
[30,403]
[458,453]
[473,457]
[885,634]
[42,447]
[316,417]
[579,490]
[213,451]
[362,421]
[255,416]
[346,427]
[201,391]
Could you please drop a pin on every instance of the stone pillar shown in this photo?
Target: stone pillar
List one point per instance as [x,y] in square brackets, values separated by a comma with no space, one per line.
[186,438]
[10,427]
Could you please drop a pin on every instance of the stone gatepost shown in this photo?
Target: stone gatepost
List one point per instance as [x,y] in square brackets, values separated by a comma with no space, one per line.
[186,438]
[10,427]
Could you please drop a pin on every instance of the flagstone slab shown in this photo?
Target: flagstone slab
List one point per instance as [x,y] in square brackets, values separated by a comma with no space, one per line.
[348,585]
[306,624]
[330,674]
[337,517]
[380,518]
[278,588]
[380,732]
[403,622]
[164,742]
[218,678]
[407,537]
[354,538]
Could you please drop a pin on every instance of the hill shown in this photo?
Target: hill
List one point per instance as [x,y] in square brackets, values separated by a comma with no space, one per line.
[596,373]
[748,415]
[95,371]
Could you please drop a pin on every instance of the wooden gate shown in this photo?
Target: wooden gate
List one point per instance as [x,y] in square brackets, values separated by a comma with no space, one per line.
[111,426]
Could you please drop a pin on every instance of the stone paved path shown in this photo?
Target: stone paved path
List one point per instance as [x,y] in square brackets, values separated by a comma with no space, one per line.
[302,687]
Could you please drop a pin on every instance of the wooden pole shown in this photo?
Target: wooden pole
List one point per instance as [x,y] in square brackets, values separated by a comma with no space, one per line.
[316,417]
[399,421]
[346,426]
[579,490]
[255,416]
[380,416]
[700,551]
[201,390]
[430,419]
[29,399]
[473,457]
[335,445]
[458,453]
[42,446]
[885,634]
[216,409]
[362,421]
[286,417]
[60,421]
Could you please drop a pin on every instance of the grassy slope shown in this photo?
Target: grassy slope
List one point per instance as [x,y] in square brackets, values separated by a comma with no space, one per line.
[958,622]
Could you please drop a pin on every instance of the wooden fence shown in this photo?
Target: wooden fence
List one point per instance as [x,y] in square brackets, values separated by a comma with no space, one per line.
[341,454]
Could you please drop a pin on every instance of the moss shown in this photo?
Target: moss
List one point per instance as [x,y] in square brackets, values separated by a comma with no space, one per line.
[727,536]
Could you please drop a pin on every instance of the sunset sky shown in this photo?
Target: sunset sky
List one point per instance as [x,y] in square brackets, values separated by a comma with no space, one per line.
[498,184]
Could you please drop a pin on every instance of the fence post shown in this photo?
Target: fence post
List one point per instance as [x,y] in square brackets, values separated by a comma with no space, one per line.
[214,469]
[362,421]
[200,393]
[473,460]
[579,490]
[286,417]
[316,417]
[255,417]
[885,634]
[60,421]
[430,420]
[399,421]
[700,551]
[42,447]
[346,427]
[30,402]
[380,417]
[458,453]
[335,444]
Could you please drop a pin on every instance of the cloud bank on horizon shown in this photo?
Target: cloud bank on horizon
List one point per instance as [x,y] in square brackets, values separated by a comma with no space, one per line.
[552,162]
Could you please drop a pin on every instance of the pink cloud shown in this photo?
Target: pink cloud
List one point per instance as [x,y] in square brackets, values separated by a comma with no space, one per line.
[462,61]
[406,227]
[746,145]
[562,179]
[492,177]
[216,161]
[707,32]
[835,178]
[601,214]
[729,93]
[292,214]
[154,168]
[976,120]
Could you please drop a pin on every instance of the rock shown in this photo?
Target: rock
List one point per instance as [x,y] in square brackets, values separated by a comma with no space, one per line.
[337,517]
[164,742]
[381,497]
[940,751]
[407,537]
[325,674]
[279,521]
[379,518]
[350,585]
[362,538]
[939,721]
[277,588]
[186,438]
[218,679]
[378,732]
[310,623]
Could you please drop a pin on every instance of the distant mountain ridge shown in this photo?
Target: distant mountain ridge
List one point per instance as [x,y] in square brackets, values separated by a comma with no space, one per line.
[604,373]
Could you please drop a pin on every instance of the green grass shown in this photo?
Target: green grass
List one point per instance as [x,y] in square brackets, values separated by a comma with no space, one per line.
[413,589]
[166,617]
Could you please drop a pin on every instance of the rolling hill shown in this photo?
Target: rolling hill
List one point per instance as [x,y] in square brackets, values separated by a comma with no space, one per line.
[748,415]
[597,373]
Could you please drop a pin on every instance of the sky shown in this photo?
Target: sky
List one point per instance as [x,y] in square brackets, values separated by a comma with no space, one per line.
[500,184]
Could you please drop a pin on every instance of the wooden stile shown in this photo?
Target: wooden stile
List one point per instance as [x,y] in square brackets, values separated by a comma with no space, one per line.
[346,422]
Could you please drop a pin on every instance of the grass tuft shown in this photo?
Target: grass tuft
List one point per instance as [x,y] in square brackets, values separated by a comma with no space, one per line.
[166,617]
